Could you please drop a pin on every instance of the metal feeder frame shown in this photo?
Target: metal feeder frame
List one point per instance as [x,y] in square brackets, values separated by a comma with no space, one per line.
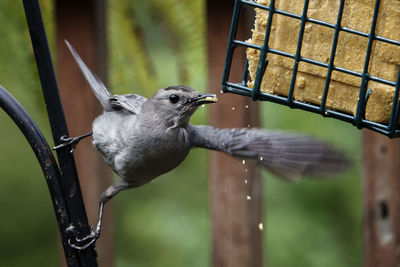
[391,129]
[61,176]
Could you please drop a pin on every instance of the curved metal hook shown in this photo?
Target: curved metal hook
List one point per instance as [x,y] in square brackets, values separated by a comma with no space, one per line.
[47,162]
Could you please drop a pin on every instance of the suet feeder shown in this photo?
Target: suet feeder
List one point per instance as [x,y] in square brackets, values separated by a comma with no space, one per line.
[340,59]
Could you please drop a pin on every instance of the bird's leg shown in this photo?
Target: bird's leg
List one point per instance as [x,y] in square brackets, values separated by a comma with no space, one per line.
[70,141]
[95,233]
[92,237]
[87,241]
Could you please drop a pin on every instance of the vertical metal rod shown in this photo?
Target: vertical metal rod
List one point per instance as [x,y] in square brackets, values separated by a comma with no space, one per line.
[70,181]
[263,53]
[361,104]
[231,47]
[297,57]
[394,116]
[332,57]
[245,72]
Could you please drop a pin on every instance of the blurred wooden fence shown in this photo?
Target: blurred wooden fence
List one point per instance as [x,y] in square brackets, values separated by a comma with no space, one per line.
[236,237]
[81,107]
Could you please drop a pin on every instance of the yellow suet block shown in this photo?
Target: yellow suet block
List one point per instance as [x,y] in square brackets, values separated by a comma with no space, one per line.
[317,44]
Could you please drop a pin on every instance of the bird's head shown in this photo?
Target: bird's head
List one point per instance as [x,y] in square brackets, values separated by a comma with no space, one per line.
[176,104]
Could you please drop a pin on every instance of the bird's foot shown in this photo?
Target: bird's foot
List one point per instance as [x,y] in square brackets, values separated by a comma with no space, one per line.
[70,141]
[85,242]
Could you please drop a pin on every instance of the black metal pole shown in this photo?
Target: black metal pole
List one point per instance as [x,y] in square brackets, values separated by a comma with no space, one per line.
[47,162]
[70,182]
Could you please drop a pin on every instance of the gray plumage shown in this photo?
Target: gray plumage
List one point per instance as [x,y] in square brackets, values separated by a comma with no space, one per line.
[288,155]
[142,139]
[97,86]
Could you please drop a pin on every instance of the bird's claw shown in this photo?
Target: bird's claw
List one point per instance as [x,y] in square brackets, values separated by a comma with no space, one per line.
[70,141]
[82,247]
[67,141]
[85,242]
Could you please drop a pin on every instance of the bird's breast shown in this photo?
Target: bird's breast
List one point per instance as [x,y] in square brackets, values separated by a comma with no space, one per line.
[147,160]
[139,154]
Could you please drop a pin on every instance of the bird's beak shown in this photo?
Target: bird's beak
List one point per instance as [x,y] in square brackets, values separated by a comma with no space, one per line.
[202,99]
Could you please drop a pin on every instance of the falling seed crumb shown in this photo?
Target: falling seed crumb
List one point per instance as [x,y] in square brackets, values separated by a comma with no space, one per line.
[243,162]
[222,92]
[248,197]
[245,181]
[233,108]
[182,218]
[203,106]
[248,125]
[246,106]
[261,158]
[245,170]
[223,143]
[261,226]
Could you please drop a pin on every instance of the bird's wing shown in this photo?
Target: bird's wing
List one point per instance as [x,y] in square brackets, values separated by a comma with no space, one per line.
[288,155]
[131,103]
[98,88]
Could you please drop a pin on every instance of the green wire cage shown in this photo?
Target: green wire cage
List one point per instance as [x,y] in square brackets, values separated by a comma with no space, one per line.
[374,41]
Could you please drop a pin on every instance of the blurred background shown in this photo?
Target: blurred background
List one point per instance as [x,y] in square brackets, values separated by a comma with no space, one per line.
[153,44]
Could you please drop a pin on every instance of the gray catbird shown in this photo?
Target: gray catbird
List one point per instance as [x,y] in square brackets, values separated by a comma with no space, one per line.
[142,139]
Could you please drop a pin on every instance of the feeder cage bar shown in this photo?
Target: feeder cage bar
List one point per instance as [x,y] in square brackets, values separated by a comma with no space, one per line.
[388,126]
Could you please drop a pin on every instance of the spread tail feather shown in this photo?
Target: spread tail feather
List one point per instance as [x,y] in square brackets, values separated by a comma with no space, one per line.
[98,88]
[288,155]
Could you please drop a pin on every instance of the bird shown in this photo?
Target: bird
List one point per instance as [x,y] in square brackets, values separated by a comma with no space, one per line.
[141,139]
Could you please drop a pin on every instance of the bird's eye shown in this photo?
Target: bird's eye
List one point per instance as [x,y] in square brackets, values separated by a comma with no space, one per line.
[174,99]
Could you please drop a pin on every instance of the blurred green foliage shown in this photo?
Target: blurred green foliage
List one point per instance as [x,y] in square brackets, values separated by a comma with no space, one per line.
[153,44]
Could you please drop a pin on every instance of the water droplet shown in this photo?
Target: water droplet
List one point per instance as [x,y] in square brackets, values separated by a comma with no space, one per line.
[261,158]
[203,106]
[261,226]
[245,181]
[248,197]
[243,162]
